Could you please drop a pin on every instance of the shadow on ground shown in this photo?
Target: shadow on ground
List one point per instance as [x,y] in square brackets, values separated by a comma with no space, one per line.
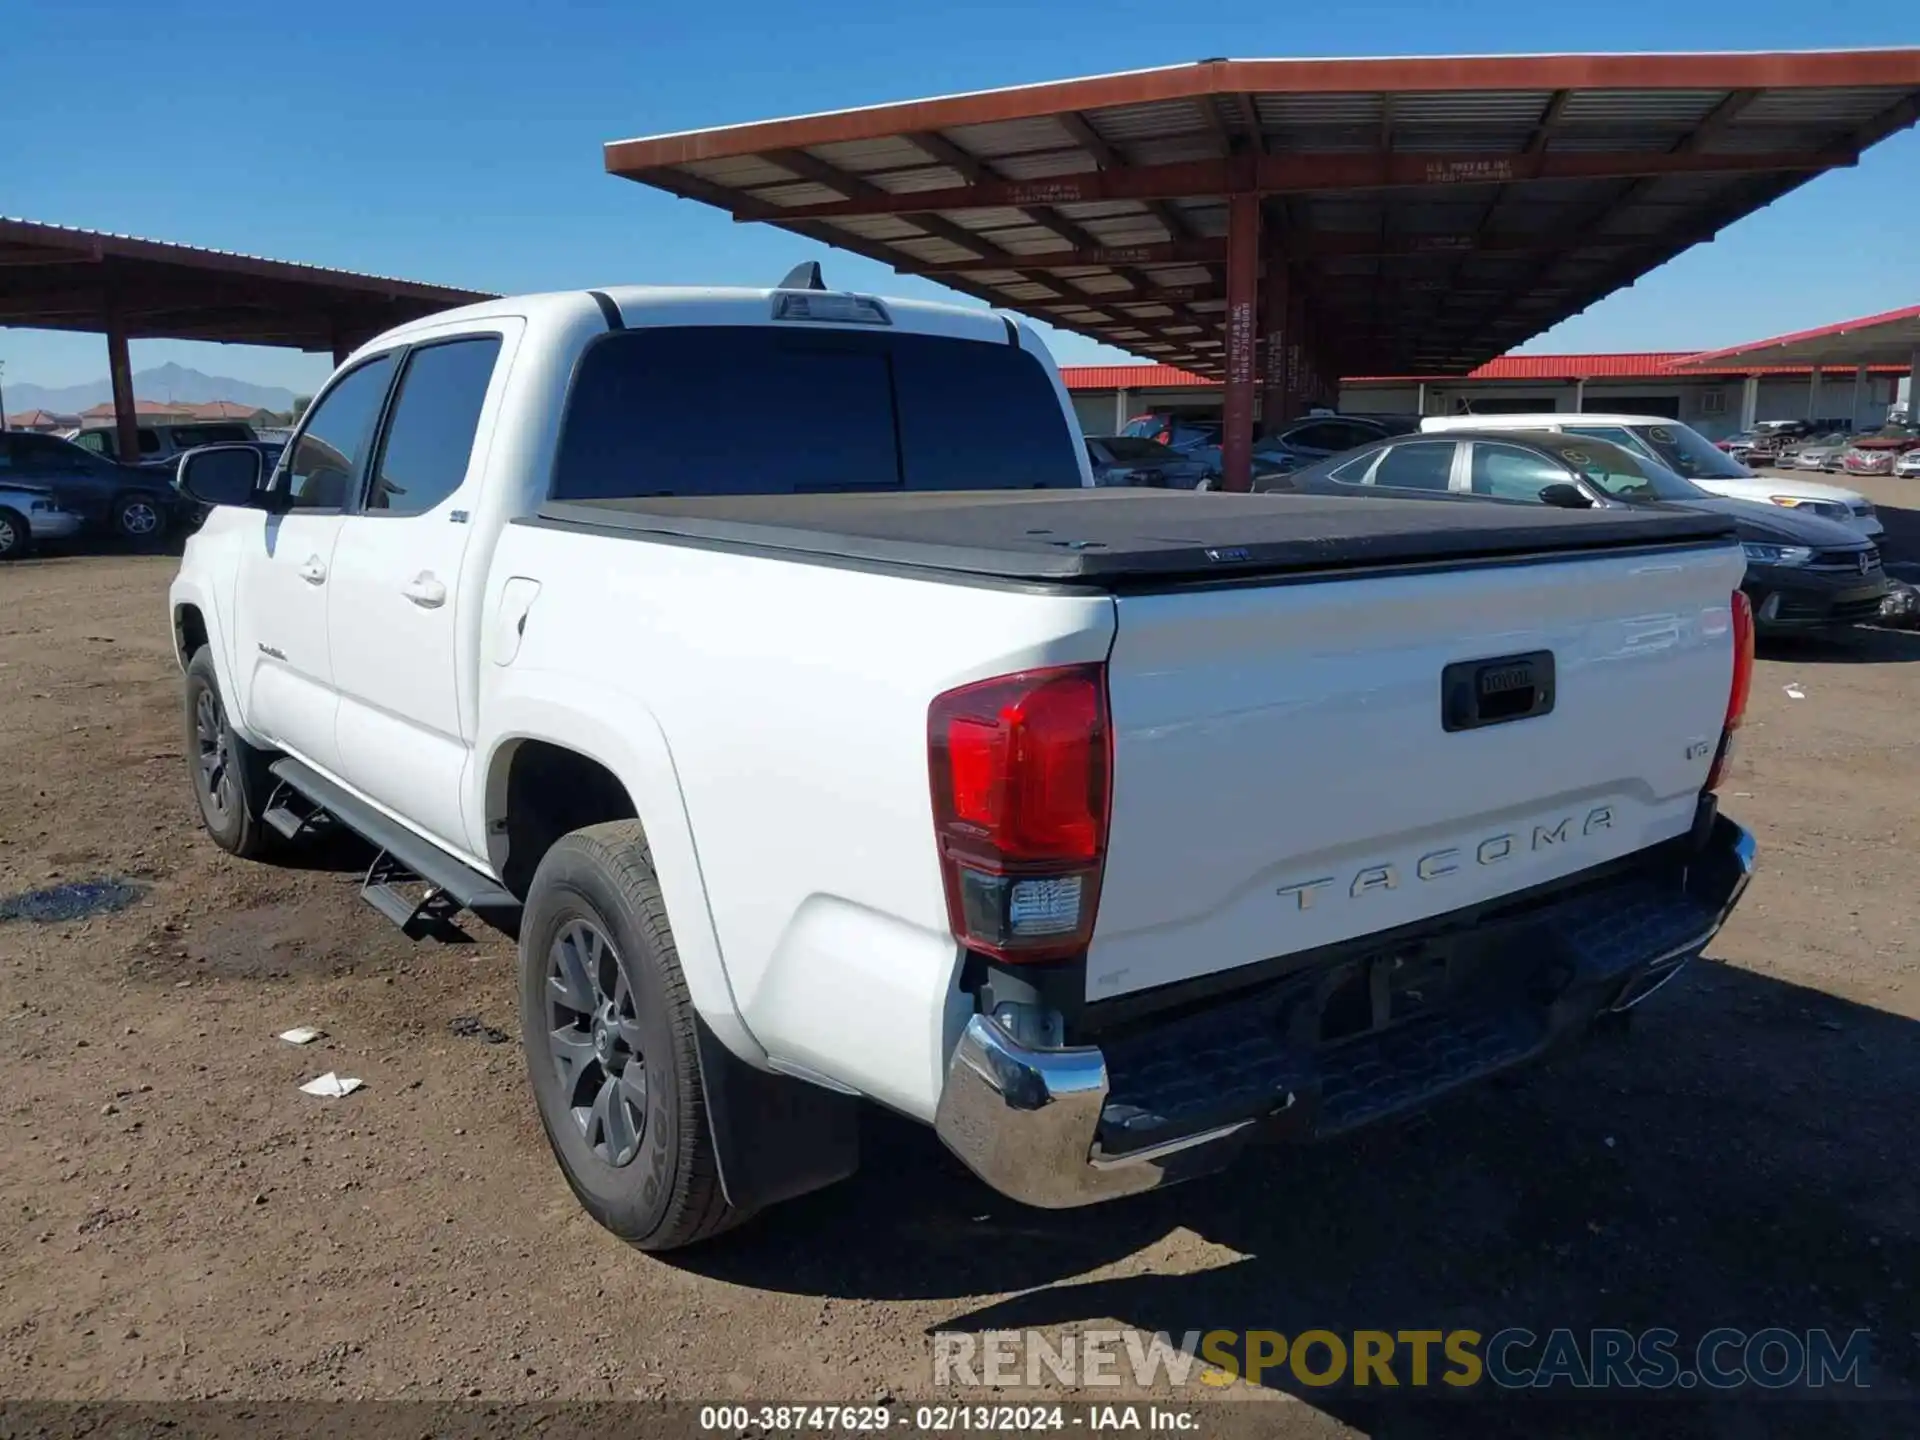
[1860,645]
[1741,1157]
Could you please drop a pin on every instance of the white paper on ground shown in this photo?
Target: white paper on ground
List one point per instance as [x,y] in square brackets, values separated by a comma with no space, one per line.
[331,1086]
[301,1035]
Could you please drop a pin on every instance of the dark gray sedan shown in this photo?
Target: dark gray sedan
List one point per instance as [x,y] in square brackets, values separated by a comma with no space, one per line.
[1802,572]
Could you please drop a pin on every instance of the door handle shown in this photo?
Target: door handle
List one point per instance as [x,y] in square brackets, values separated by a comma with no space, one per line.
[425,591]
[313,572]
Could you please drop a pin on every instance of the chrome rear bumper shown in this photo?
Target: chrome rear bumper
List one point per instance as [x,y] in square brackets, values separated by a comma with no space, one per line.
[1029,1120]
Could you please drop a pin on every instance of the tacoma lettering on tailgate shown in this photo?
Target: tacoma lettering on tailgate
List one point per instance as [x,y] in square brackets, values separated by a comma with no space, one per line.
[1438,864]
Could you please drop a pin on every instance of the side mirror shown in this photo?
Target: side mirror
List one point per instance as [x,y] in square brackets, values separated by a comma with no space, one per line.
[222,475]
[1567,497]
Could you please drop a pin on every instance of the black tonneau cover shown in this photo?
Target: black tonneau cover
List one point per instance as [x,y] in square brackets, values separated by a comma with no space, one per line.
[1102,538]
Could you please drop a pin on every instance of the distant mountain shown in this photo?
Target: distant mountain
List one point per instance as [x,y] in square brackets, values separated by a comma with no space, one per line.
[163,382]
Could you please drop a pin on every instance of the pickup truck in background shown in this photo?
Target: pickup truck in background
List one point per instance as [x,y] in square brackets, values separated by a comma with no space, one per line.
[826,745]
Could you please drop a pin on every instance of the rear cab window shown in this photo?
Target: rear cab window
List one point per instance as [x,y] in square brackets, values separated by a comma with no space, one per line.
[767,410]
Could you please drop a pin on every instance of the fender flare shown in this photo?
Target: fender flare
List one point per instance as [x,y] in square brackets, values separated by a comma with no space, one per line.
[634,748]
[776,1137]
[185,594]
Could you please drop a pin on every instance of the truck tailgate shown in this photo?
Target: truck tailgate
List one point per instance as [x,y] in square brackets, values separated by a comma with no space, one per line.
[1285,774]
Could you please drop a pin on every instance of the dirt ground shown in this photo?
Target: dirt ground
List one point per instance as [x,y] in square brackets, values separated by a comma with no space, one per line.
[178,1220]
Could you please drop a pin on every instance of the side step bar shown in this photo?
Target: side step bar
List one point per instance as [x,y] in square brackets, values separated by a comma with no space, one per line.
[404,858]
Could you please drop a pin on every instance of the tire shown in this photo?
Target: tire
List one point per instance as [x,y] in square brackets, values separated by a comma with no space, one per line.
[230,779]
[16,536]
[610,1043]
[139,518]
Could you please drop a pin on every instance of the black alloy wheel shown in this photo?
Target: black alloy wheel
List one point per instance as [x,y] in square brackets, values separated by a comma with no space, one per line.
[594,1032]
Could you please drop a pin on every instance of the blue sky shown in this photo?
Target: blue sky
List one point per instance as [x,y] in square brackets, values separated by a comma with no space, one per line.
[461,142]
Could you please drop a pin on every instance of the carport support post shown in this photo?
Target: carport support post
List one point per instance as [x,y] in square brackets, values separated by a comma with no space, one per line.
[126,421]
[1120,416]
[1859,387]
[1276,397]
[1749,401]
[1243,297]
[1813,394]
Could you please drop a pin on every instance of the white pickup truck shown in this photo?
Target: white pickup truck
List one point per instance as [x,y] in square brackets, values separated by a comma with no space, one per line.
[821,743]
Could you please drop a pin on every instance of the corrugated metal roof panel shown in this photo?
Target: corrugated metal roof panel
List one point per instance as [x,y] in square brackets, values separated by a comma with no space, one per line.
[886,152]
[1011,137]
[1826,107]
[1642,109]
[1123,123]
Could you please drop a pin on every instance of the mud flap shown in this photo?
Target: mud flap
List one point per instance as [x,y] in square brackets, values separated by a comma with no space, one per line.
[776,1138]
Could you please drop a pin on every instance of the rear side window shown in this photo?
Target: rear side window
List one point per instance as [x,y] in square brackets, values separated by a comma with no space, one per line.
[1425,465]
[436,415]
[762,410]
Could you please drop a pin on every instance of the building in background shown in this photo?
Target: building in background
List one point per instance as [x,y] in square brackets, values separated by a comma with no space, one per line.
[1716,401]
[45,422]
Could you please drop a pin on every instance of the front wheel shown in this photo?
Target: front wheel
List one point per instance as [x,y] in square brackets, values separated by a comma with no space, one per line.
[610,1043]
[139,518]
[16,537]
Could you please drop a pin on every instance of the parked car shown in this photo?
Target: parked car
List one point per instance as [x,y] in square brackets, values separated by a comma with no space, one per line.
[1128,460]
[1175,432]
[28,514]
[1819,452]
[1690,454]
[1802,572]
[1908,464]
[1879,452]
[162,444]
[132,501]
[1104,831]
[1741,446]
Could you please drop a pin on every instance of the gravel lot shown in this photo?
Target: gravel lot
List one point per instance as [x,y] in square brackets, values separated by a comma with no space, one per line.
[178,1220]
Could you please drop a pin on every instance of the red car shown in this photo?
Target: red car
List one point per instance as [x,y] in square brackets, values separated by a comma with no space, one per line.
[1876,454]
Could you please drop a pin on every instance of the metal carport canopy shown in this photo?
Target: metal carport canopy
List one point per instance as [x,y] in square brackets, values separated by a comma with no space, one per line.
[1280,222]
[1892,338]
[53,277]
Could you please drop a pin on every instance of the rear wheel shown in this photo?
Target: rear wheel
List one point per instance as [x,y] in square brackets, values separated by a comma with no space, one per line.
[16,537]
[230,778]
[610,1043]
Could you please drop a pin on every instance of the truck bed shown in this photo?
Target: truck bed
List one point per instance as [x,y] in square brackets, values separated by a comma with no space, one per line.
[1118,539]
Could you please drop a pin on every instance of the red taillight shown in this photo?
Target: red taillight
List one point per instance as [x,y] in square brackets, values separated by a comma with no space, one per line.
[1742,686]
[1021,773]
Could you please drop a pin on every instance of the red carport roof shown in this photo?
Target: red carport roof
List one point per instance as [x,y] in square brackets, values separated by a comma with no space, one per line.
[1892,338]
[54,277]
[1438,210]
